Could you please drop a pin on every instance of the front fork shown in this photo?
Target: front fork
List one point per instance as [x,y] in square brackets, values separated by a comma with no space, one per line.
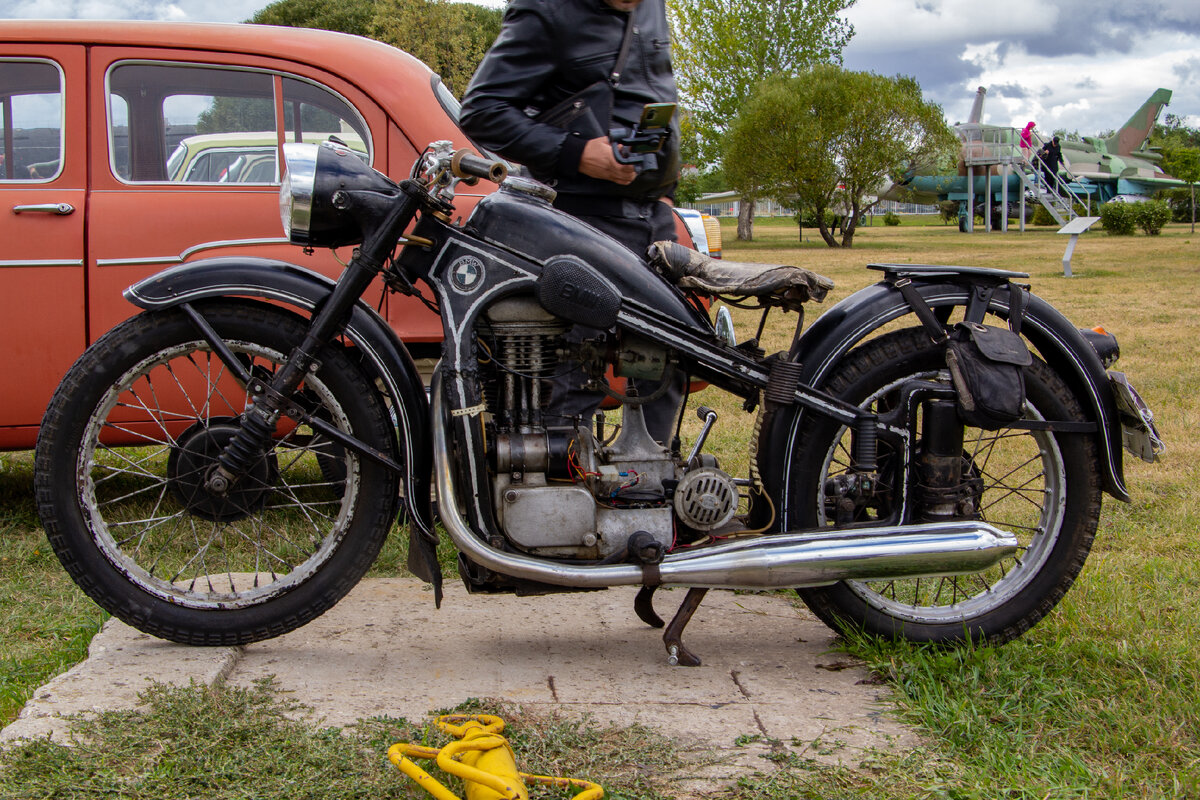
[276,398]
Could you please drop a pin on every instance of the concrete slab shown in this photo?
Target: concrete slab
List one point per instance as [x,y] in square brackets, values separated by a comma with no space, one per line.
[768,675]
[121,663]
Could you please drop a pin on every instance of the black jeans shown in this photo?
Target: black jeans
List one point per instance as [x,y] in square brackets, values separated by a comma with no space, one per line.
[637,227]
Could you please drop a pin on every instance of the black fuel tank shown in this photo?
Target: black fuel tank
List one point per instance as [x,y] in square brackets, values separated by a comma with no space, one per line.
[533,227]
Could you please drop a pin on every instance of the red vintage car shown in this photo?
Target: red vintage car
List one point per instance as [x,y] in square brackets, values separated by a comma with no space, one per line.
[129,147]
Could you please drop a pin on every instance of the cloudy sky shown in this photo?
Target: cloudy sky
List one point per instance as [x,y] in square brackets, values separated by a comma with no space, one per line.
[1079,65]
[1082,65]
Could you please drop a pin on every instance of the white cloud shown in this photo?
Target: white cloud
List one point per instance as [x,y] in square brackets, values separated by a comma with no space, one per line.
[901,25]
[1070,64]
[178,11]
[1022,49]
[1090,93]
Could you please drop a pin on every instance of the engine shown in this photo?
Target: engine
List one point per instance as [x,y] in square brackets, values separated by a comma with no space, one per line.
[558,488]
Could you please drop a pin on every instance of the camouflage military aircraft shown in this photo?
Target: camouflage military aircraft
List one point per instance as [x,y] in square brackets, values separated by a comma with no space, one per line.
[1101,168]
[1123,164]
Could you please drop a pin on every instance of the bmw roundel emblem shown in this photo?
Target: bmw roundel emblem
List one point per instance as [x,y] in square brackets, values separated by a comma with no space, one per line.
[467,273]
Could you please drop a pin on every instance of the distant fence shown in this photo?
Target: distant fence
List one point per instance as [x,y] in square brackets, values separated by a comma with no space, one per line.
[726,204]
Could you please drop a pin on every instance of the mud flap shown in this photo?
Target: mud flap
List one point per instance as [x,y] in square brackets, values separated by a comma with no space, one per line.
[423,561]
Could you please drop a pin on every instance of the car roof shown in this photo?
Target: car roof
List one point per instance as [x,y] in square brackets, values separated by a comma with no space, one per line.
[243,139]
[396,80]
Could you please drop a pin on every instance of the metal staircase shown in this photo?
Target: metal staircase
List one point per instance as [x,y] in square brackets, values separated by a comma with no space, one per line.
[996,151]
[1060,198]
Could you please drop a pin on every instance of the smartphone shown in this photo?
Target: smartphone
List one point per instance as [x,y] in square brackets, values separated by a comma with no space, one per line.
[656,116]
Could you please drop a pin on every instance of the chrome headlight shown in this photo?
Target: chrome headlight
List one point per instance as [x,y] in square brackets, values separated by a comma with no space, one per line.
[329,197]
[296,191]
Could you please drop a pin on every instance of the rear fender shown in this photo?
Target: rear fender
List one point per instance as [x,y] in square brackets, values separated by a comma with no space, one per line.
[385,355]
[1057,341]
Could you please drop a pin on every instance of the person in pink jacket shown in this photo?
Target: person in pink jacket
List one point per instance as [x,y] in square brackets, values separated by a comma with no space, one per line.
[1026,141]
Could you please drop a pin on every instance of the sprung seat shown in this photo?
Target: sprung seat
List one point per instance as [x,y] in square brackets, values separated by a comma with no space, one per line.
[769,284]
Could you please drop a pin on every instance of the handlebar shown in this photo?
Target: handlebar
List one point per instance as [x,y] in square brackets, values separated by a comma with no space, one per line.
[471,168]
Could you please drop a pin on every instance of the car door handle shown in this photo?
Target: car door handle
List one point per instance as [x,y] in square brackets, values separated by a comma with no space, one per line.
[61,209]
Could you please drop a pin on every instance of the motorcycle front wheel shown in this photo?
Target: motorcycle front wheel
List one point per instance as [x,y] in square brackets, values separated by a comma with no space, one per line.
[126,445]
[1043,487]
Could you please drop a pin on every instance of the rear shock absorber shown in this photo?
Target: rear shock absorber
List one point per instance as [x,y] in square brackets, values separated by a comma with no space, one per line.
[940,461]
[866,445]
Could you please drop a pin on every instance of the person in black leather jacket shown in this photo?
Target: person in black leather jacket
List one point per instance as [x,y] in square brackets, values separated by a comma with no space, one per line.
[547,51]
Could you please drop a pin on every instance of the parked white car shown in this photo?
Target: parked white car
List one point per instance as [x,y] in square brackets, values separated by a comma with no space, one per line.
[694,221]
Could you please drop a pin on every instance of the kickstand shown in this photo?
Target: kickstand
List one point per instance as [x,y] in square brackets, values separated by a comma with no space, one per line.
[677,654]
[643,606]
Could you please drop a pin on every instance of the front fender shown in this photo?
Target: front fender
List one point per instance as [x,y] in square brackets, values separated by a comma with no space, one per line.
[383,352]
[1056,340]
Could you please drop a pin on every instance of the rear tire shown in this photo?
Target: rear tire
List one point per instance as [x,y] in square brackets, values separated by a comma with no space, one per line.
[121,459]
[1043,487]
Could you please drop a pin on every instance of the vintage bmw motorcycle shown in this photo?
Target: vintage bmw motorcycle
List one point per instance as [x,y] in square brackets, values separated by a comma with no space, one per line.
[225,466]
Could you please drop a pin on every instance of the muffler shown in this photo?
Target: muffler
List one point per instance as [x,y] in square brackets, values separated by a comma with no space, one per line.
[767,562]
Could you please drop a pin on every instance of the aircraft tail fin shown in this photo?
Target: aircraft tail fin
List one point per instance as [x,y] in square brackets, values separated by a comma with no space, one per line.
[977,106]
[1137,130]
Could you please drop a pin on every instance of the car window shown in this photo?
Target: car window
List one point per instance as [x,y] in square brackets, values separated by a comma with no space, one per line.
[186,123]
[31,126]
[118,136]
[252,168]
[312,113]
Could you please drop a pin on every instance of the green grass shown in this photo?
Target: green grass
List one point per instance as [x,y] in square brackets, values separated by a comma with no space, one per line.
[229,743]
[1098,701]
[47,622]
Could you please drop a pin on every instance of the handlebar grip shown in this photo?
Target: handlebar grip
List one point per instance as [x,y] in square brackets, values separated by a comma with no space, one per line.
[470,167]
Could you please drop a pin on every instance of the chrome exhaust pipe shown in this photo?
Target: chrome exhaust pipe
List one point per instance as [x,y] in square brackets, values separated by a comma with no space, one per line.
[768,562]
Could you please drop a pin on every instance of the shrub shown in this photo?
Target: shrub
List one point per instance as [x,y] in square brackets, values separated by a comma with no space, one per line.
[949,211]
[808,219]
[1151,216]
[1180,201]
[891,219]
[1042,217]
[1118,219]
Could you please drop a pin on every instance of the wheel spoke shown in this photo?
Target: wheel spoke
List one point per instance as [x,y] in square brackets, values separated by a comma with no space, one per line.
[155,515]
[1015,479]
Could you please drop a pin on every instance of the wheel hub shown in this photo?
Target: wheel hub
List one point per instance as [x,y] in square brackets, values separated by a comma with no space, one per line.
[192,460]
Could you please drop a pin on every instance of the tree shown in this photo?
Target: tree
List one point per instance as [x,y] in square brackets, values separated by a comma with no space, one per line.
[724,48]
[230,114]
[451,38]
[828,138]
[773,150]
[1172,132]
[688,189]
[347,16]
[1184,164]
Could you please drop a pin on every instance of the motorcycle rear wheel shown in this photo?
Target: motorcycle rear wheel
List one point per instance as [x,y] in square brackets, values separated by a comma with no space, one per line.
[1041,486]
[121,460]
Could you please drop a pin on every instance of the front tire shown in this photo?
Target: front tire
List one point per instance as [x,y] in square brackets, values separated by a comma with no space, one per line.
[121,459]
[1041,486]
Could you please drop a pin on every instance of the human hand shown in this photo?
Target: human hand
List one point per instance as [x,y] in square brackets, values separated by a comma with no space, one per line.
[598,161]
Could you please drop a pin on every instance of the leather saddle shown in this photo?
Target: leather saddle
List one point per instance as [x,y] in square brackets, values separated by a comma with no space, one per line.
[770,284]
